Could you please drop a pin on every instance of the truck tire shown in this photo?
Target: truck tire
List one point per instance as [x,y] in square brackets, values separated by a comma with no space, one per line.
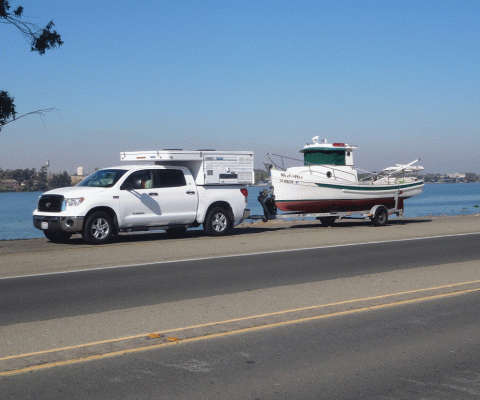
[98,228]
[57,237]
[218,222]
[380,217]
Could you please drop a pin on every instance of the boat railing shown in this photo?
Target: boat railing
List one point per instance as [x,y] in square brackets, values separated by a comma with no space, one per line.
[331,173]
[387,174]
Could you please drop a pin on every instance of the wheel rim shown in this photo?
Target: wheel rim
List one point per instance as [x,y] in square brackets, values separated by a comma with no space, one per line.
[382,217]
[219,222]
[100,228]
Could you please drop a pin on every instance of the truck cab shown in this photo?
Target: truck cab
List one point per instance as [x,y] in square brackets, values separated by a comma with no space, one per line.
[139,197]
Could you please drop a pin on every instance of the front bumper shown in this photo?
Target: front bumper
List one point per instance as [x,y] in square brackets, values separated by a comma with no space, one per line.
[58,224]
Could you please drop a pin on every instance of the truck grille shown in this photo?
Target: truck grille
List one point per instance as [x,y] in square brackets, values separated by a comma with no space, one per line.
[50,203]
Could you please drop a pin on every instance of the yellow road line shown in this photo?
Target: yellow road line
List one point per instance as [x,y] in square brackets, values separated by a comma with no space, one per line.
[235,332]
[240,319]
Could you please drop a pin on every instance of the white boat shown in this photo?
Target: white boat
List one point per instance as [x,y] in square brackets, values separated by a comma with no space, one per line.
[328,182]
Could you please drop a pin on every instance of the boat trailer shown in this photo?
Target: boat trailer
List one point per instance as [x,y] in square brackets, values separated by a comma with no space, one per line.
[378,214]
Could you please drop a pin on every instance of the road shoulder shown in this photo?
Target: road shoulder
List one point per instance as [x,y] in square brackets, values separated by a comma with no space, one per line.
[39,256]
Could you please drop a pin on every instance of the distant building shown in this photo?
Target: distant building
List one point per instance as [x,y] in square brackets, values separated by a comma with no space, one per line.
[9,184]
[79,177]
[456,175]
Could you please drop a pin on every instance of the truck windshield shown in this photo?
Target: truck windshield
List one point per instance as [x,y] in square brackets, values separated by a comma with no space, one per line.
[103,178]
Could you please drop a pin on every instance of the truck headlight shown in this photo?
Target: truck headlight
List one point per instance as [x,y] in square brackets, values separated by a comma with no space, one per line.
[74,202]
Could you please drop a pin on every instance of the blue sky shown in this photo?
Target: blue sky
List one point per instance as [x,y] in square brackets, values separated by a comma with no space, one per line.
[400,79]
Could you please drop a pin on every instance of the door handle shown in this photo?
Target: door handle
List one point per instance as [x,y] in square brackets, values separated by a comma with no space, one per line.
[190,192]
[153,194]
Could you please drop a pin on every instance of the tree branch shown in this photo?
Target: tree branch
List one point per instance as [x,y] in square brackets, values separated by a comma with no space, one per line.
[41,113]
[40,39]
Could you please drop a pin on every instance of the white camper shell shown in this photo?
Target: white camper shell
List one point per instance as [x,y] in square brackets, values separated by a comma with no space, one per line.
[208,167]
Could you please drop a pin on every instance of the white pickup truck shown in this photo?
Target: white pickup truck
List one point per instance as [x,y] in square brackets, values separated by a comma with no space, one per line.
[182,189]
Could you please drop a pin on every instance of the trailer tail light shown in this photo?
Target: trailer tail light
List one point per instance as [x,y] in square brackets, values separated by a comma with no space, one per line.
[245,193]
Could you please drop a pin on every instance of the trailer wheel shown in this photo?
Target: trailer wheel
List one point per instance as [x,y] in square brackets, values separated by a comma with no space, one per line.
[217,222]
[327,221]
[57,237]
[380,216]
[98,228]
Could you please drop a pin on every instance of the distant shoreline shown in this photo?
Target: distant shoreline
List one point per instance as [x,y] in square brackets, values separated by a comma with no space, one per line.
[263,185]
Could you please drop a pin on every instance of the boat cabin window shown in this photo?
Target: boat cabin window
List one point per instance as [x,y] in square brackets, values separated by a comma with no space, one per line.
[321,157]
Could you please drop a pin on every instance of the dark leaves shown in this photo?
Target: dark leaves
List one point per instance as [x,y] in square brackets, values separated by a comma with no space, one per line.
[4,7]
[7,107]
[47,40]
[18,12]
[40,39]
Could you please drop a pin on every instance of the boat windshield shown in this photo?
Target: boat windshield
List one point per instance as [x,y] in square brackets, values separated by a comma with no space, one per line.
[103,178]
[324,157]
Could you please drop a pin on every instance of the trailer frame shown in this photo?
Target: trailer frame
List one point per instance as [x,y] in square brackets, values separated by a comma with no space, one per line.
[378,214]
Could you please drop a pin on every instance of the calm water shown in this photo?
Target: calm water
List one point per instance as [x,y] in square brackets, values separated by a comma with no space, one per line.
[437,199]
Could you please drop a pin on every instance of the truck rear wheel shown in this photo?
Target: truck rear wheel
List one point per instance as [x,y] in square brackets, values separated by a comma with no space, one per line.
[218,222]
[98,228]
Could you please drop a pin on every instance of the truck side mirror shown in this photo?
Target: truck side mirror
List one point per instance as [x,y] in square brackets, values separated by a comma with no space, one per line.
[136,184]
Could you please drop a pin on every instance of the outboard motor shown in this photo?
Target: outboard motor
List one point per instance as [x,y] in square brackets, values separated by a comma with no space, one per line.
[267,200]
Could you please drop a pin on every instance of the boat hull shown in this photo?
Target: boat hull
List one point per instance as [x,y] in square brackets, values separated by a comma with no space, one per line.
[331,206]
[297,195]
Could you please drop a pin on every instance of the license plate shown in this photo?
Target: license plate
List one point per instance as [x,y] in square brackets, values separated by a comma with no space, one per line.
[44,225]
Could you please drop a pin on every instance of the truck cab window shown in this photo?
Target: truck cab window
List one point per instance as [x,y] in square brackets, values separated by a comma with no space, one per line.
[139,180]
[169,178]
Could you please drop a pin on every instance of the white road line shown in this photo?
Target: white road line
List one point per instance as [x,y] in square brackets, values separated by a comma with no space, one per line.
[238,255]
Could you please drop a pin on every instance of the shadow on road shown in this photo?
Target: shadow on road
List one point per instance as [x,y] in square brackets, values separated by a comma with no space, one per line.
[363,223]
[76,241]
[246,229]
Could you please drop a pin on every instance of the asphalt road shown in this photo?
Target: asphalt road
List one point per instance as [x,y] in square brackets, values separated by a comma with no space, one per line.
[44,297]
[424,350]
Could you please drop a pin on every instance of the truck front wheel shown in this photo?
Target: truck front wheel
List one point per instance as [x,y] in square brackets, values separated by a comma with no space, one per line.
[217,222]
[98,228]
